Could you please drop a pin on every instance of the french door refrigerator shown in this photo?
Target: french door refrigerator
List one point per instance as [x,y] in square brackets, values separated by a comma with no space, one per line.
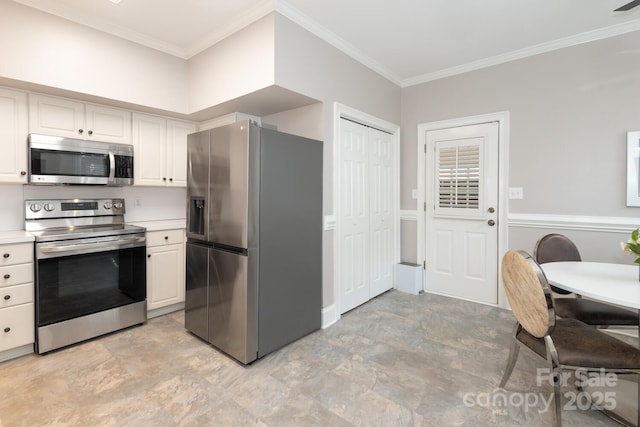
[254,238]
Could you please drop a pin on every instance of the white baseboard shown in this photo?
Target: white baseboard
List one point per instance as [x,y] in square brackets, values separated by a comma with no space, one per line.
[16,352]
[329,316]
[164,310]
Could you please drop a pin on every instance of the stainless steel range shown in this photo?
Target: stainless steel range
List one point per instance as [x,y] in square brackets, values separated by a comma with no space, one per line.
[90,270]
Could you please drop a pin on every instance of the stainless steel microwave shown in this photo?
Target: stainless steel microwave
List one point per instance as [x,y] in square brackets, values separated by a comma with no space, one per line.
[58,160]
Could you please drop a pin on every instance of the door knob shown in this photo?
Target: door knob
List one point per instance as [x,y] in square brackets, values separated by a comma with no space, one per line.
[491,222]
[491,210]
[7,276]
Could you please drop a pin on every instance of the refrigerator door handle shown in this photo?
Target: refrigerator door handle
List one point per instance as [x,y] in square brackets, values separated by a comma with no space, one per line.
[232,249]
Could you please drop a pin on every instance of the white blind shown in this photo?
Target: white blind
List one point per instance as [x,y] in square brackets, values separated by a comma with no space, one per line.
[459,177]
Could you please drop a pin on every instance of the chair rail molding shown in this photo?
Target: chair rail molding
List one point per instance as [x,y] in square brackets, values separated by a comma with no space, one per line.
[408,215]
[622,225]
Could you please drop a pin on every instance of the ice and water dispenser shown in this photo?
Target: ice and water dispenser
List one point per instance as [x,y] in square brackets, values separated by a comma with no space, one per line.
[196,216]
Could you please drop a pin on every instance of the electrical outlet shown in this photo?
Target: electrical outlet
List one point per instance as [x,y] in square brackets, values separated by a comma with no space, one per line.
[137,202]
[516,193]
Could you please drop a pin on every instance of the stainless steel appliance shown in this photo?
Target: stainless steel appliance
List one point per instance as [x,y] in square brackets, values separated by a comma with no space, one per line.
[90,270]
[57,160]
[254,238]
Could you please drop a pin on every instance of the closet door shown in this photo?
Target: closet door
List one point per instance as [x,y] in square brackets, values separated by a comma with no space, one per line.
[381,196]
[354,216]
[367,195]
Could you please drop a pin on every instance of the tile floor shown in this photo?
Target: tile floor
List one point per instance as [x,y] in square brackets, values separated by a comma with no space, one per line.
[399,360]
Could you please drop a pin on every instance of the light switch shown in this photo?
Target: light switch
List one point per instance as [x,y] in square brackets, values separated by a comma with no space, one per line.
[414,194]
[516,193]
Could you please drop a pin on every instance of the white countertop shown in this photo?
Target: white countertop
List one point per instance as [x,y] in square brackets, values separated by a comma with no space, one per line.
[15,236]
[168,224]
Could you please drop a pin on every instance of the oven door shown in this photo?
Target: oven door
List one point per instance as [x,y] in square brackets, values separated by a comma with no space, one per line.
[84,276]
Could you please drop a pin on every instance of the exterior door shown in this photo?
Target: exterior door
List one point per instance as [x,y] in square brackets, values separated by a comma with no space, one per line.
[367,228]
[461,212]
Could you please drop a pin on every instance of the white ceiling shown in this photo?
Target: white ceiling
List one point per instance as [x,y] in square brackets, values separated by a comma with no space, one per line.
[407,41]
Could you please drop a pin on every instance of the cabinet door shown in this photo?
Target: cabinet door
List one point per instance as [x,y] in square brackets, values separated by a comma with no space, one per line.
[177,152]
[165,275]
[149,145]
[13,135]
[16,326]
[107,124]
[56,116]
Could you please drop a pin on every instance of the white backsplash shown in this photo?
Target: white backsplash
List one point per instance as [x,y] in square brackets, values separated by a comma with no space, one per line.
[154,203]
[142,203]
[11,209]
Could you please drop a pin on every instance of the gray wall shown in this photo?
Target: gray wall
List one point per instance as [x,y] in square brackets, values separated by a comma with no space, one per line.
[569,109]
[310,66]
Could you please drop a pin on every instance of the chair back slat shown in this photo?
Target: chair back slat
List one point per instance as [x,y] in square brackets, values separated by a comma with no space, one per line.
[528,293]
[554,248]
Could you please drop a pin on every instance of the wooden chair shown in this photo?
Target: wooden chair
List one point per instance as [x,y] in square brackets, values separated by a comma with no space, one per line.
[557,247]
[565,344]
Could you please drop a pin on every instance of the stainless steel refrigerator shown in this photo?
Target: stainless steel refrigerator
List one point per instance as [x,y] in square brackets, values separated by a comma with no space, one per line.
[254,238]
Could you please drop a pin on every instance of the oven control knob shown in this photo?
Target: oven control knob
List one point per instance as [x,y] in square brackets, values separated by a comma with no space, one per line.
[117,205]
[36,207]
[49,207]
[107,205]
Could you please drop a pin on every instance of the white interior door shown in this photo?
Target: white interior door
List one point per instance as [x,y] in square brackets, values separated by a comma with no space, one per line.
[354,214]
[461,215]
[367,194]
[381,191]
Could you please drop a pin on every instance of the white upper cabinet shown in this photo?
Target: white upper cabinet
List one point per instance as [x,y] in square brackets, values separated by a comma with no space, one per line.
[63,117]
[13,136]
[160,150]
[177,133]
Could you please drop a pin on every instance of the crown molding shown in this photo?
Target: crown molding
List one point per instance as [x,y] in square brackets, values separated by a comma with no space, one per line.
[235,24]
[588,36]
[267,6]
[245,18]
[334,40]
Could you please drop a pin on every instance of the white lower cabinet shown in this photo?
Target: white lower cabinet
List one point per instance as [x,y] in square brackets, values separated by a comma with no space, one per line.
[16,300]
[165,271]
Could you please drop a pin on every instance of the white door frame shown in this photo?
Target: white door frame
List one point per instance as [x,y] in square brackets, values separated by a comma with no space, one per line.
[343,111]
[503,176]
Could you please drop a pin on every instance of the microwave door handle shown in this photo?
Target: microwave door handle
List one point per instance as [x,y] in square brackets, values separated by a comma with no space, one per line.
[112,167]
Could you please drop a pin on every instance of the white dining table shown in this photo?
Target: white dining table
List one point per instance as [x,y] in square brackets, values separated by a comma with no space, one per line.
[613,283]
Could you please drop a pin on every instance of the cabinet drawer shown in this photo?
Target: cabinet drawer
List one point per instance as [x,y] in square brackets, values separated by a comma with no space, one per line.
[16,326]
[16,274]
[165,237]
[16,253]
[16,295]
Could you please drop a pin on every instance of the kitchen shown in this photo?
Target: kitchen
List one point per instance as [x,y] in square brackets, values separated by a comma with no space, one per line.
[308,112]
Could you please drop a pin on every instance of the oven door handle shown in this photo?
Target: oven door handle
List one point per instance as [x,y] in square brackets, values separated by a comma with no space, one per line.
[92,246]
